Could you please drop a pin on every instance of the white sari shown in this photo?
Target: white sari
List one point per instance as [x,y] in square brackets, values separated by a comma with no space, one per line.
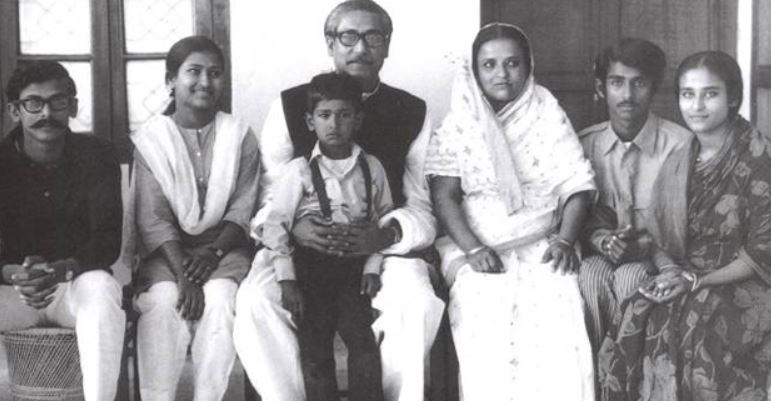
[520,334]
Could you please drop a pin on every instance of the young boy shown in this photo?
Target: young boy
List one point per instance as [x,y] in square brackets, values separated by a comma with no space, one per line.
[324,293]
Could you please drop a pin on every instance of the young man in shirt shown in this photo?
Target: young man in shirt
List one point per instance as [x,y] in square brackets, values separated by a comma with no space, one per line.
[626,153]
[60,217]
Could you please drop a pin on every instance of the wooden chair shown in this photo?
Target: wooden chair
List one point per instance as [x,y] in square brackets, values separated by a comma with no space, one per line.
[128,381]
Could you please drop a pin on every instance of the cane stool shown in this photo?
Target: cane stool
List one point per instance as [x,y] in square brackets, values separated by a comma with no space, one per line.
[44,364]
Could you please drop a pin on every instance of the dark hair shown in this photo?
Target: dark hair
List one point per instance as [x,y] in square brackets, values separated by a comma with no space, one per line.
[333,19]
[720,64]
[35,72]
[181,50]
[640,54]
[334,86]
[500,31]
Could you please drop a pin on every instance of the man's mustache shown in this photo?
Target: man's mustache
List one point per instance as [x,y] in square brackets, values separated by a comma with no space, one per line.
[48,122]
[627,104]
[361,60]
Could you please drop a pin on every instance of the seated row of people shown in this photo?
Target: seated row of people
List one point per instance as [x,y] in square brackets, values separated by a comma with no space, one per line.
[345,180]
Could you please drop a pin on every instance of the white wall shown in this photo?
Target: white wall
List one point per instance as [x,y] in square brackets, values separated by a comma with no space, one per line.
[279,44]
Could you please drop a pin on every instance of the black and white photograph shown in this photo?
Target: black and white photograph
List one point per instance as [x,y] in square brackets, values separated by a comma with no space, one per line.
[385,200]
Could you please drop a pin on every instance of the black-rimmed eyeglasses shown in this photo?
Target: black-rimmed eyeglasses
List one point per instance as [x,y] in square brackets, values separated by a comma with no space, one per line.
[373,38]
[35,104]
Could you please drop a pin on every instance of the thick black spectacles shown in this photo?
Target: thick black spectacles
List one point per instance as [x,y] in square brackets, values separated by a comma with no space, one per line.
[372,38]
[35,104]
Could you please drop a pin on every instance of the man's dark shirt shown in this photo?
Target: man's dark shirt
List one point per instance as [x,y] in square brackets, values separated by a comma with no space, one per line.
[68,210]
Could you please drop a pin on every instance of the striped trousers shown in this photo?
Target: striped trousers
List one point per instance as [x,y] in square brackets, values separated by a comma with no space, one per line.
[604,286]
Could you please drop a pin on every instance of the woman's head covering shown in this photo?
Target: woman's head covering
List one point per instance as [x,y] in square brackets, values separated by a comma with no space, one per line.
[497,30]
[471,111]
[533,112]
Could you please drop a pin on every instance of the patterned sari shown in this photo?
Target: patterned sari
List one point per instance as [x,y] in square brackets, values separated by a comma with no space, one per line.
[712,344]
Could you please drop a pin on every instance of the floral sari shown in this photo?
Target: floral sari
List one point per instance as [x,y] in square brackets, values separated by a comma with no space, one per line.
[711,344]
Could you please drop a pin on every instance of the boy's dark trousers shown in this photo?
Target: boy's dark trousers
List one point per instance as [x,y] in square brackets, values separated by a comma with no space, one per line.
[333,301]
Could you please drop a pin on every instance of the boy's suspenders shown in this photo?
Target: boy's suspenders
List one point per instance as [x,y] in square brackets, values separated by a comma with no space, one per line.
[321,189]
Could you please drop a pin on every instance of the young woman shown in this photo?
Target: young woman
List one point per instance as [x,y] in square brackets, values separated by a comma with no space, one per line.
[196,184]
[507,173]
[698,330]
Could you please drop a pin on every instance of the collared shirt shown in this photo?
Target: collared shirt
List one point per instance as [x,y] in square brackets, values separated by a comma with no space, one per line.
[415,218]
[295,197]
[625,172]
[71,209]
[154,217]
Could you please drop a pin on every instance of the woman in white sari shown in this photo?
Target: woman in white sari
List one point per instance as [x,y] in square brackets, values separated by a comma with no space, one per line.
[511,187]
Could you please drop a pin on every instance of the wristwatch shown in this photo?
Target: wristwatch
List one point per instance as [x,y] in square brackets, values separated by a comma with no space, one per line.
[219,253]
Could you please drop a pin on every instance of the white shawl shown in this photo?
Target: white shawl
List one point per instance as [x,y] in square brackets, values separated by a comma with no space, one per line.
[161,145]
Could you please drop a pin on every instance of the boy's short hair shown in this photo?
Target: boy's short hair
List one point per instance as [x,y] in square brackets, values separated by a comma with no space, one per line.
[334,86]
[36,72]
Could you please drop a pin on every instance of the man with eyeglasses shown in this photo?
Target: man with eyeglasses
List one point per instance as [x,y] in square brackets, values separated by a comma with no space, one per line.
[396,130]
[60,217]
[626,153]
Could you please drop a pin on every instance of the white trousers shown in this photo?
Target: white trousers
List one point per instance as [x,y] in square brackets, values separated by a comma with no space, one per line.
[163,337]
[91,304]
[266,341]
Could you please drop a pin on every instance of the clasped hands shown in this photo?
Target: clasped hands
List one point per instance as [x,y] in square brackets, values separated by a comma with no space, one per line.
[325,236]
[622,244]
[36,280]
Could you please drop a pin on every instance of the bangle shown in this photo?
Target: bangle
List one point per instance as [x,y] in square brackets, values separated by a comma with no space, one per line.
[668,266]
[562,241]
[475,250]
[692,278]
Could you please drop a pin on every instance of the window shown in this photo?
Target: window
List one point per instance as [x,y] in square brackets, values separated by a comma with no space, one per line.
[761,76]
[114,50]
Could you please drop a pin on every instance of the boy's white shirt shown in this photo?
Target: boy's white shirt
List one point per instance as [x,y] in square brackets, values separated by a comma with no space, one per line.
[415,218]
[293,201]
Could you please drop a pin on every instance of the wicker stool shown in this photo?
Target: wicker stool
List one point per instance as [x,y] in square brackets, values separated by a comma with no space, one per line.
[44,364]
